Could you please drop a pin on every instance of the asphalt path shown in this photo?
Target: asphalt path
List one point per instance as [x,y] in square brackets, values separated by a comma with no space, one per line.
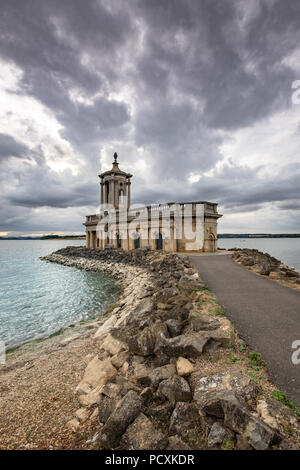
[265,314]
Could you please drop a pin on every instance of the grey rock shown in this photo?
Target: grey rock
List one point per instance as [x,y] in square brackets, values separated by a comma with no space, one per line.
[160,412]
[236,382]
[174,327]
[184,345]
[203,321]
[188,284]
[140,313]
[174,389]
[126,412]
[157,375]
[216,435]
[142,435]
[165,294]
[105,408]
[141,342]
[161,359]
[260,436]
[112,390]
[185,416]
[236,415]
[124,386]
[254,430]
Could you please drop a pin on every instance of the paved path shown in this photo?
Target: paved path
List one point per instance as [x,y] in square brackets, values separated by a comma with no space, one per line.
[265,313]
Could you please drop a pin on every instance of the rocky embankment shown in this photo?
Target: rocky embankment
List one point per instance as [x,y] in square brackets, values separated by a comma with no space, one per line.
[266,265]
[159,380]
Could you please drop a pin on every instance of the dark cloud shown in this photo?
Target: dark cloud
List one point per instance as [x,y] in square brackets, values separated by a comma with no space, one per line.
[50,189]
[173,77]
[10,147]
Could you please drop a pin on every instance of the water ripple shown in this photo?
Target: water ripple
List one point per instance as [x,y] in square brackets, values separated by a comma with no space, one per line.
[39,298]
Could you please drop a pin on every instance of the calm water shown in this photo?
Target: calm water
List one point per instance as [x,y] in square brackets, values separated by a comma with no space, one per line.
[285,249]
[38,298]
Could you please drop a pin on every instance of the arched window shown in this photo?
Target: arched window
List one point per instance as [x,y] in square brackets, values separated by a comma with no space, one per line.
[121,197]
[106,192]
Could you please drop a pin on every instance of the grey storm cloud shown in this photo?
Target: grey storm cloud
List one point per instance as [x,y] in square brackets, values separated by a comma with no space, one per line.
[173,77]
[10,147]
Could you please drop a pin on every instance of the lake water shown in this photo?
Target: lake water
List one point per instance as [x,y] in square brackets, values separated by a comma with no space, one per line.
[285,249]
[38,298]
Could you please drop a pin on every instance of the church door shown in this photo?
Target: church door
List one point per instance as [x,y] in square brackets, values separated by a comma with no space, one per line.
[119,241]
[137,242]
[159,242]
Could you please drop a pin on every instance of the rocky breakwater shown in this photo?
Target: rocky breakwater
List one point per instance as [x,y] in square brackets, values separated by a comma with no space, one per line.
[148,385]
[266,265]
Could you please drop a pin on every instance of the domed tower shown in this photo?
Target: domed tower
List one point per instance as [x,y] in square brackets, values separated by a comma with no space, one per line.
[115,186]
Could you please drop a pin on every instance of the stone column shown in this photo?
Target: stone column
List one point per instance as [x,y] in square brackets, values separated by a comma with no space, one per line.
[128,194]
[102,192]
[172,241]
[112,192]
[116,194]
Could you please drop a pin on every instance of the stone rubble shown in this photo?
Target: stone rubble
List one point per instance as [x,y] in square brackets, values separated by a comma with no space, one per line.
[266,265]
[145,384]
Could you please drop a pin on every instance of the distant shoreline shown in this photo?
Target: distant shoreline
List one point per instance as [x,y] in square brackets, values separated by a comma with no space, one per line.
[259,235]
[221,235]
[42,238]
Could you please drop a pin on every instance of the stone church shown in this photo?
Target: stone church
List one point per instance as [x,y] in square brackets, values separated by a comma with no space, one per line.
[172,227]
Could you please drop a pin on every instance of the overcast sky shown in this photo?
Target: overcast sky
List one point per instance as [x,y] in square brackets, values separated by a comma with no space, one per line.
[194,95]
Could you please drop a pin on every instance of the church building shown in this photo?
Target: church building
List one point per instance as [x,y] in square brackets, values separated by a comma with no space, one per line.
[173,226]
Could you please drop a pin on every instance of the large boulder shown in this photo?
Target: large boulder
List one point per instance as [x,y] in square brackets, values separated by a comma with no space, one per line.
[253,430]
[200,321]
[174,327]
[112,345]
[184,345]
[106,327]
[105,408]
[92,397]
[276,414]
[118,359]
[98,372]
[142,435]
[212,388]
[154,377]
[260,436]
[174,389]
[161,412]
[165,295]
[216,435]
[141,341]
[222,336]
[140,314]
[123,415]
[123,386]
[187,284]
[184,417]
